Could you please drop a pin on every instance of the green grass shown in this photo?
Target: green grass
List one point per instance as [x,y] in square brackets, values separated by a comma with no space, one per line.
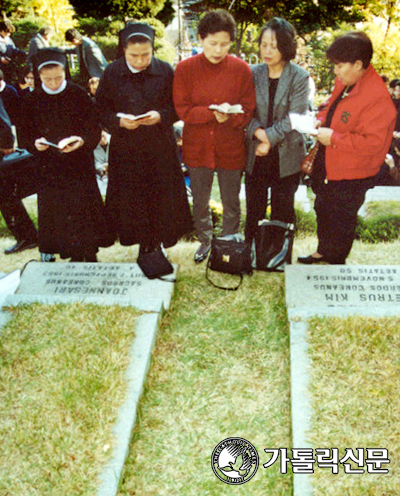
[387,208]
[355,397]
[220,369]
[62,372]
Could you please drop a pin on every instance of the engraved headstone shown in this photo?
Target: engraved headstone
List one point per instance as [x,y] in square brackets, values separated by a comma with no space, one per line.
[343,290]
[99,283]
[328,290]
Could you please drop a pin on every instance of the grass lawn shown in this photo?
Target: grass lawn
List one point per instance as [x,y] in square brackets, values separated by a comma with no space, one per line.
[62,372]
[355,397]
[220,369]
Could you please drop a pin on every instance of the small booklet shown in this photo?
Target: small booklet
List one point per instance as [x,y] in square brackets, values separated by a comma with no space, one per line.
[62,143]
[131,117]
[227,109]
[303,123]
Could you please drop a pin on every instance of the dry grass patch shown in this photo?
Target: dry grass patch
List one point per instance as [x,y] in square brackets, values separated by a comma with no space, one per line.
[356,399]
[62,374]
[220,369]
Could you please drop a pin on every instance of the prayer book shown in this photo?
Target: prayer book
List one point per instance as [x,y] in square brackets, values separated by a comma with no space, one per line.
[62,143]
[227,109]
[131,117]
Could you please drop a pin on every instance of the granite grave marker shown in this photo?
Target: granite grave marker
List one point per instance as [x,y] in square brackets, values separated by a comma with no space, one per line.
[99,283]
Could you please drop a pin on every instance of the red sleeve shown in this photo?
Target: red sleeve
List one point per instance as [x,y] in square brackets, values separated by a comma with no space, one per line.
[182,92]
[247,99]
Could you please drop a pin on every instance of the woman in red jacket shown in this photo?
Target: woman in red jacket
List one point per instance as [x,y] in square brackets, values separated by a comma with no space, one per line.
[214,141]
[355,132]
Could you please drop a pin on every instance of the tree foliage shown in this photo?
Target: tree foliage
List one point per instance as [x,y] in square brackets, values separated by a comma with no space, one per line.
[306,15]
[58,13]
[137,9]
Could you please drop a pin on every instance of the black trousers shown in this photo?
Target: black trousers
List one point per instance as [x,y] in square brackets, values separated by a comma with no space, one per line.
[336,206]
[266,175]
[13,187]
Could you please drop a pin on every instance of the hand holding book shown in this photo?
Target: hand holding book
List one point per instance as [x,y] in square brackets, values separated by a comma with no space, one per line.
[65,145]
[226,108]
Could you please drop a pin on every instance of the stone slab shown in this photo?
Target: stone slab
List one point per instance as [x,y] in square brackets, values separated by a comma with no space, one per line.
[379,193]
[121,284]
[140,358]
[334,290]
[342,290]
[300,402]
[8,284]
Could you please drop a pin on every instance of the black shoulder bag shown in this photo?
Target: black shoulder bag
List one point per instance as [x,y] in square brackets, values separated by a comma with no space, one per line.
[230,255]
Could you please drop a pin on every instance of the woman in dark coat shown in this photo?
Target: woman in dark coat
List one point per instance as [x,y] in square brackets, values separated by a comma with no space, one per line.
[71,212]
[146,196]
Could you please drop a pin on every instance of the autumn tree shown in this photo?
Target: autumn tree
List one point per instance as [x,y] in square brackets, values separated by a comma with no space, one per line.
[58,13]
[137,9]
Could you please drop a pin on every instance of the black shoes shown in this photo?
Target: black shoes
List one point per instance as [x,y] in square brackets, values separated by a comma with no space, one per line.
[202,251]
[310,260]
[20,246]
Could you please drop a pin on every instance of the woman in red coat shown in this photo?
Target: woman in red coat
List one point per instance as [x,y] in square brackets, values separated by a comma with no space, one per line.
[355,132]
[214,141]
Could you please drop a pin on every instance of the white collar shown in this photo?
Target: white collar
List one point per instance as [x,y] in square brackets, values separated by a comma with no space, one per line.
[44,41]
[55,92]
[134,71]
[2,85]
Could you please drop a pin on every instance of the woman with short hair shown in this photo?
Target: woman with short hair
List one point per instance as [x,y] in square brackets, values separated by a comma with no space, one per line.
[214,141]
[355,130]
[275,151]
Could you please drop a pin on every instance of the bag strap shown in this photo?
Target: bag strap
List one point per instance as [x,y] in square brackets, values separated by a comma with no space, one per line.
[162,278]
[222,287]
[278,223]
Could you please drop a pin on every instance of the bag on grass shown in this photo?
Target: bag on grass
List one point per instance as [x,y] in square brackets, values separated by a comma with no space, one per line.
[230,255]
[273,243]
[155,265]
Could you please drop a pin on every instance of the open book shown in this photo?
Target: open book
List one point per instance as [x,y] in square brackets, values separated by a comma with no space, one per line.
[62,143]
[131,117]
[227,109]
[303,123]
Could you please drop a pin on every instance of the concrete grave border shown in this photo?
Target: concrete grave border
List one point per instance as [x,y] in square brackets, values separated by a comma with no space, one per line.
[146,328]
[300,366]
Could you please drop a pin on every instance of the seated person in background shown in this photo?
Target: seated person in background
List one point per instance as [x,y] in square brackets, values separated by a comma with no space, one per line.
[93,84]
[101,161]
[10,55]
[91,59]
[39,41]
[27,82]
[71,211]
[10,99]
[392,164]
[12,188]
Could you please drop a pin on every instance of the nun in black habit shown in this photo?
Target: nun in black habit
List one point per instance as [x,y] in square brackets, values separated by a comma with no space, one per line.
[146,197]
[71,211]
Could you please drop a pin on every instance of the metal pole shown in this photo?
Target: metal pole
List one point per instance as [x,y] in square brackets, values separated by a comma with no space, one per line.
[180,31]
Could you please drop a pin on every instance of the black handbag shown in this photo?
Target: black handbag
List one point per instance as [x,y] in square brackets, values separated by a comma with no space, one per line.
[155,265]
[230,255]
[273,243]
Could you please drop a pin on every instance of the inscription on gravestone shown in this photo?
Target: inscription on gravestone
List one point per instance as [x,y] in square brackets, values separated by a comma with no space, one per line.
[102,283]
[338,286]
